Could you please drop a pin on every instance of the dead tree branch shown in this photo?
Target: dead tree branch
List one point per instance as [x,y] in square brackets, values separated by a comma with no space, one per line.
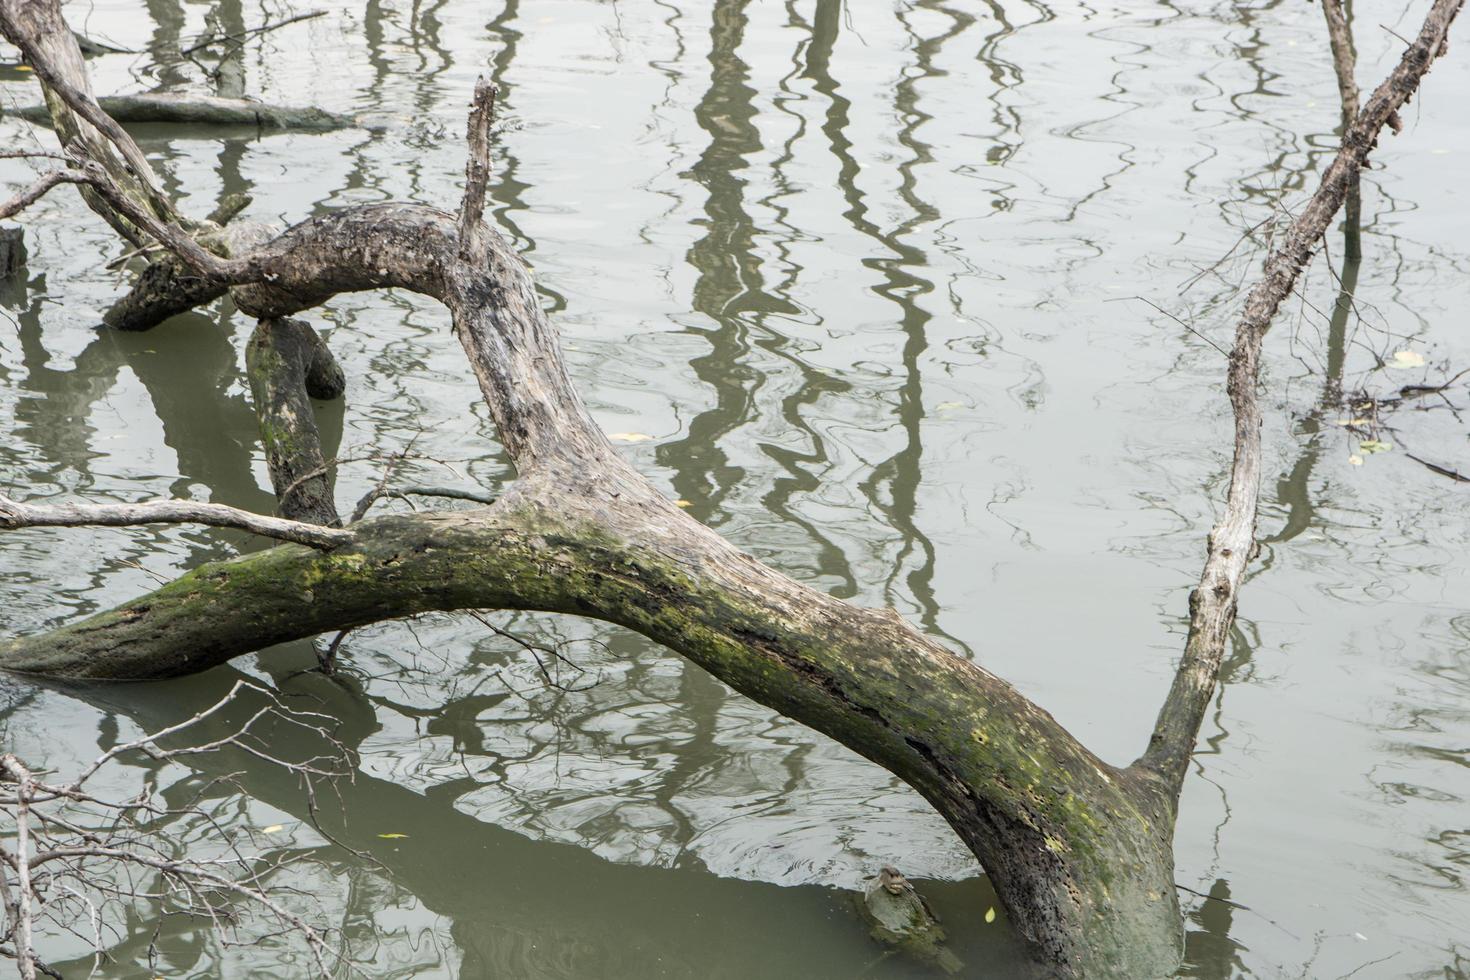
[205,110]
[75,852]
[242,35]
[1344,64]
[477,170]
[14,515]
[1232,542]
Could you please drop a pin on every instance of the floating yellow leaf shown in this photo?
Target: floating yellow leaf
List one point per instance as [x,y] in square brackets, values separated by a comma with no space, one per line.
[1406,359]
[683,503]
[990,914]
[274,828]
[630,437]
[948,406]
[1355,459]
[393,836]
[1353,422]
[1374,446]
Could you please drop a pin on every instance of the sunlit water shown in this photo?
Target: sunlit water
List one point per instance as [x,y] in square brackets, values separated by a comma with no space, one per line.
[875,283]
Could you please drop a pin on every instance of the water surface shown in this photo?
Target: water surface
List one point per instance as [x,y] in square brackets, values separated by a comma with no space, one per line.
[871,278]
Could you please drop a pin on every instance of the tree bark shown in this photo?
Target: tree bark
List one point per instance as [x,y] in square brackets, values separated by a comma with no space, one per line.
[168,285]
[288,365]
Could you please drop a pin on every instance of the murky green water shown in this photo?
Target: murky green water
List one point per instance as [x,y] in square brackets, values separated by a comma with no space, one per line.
[866,276]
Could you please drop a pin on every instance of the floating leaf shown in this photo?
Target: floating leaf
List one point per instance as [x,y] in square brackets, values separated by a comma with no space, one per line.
[1374,446]
[274,828]
[990,914]
[393,836]
[1355,459]
[1353,422]
[631,437]
[1406,359]
[683,503]
[948,406]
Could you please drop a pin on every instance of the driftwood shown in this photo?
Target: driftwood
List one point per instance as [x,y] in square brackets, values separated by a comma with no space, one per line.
[205,110]
[1079,851]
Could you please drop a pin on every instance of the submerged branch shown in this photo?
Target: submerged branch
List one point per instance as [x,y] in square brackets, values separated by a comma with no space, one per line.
[205,110]
[1344,65]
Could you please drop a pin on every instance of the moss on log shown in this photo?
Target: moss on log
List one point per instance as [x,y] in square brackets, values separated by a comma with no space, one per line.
[205,110]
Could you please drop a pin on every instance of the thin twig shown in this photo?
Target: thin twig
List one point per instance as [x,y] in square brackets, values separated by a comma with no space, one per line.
[241,36]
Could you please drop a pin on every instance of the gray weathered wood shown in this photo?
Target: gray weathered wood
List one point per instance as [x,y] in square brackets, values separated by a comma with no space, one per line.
[16,514]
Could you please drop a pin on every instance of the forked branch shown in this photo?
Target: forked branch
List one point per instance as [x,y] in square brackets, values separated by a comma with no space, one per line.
[1212,604]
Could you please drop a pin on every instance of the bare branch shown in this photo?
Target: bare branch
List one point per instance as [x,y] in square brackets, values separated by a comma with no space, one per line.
[240,37]
[14,514]
[37,190]
[72,846]
[1344,64]
[25,955]
[1212,604]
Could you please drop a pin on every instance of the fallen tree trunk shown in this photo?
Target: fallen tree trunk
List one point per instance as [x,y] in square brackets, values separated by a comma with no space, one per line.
[205,110]
[1079,852]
